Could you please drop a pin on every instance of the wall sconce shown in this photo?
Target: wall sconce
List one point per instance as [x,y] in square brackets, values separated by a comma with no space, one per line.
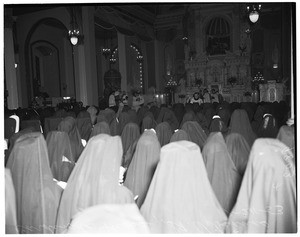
[253,11]
[74,29]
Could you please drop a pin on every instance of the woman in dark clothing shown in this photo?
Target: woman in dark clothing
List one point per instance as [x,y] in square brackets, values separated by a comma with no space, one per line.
[258,116]
[189,116]
[167,115]
[195,132]
[68,125]
[84,124]
[179,111]
[148,123]
[217,125]
[164,133]
[240,124]
[268,127]
[224,113]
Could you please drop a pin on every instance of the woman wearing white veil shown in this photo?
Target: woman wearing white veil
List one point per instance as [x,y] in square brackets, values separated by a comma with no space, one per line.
[180,198]
[267,198]
[94,180]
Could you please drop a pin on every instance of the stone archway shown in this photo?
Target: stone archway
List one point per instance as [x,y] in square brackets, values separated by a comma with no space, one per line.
[45,69]
[51,23]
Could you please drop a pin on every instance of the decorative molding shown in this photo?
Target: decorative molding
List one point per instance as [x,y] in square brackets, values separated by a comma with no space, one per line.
[168,21]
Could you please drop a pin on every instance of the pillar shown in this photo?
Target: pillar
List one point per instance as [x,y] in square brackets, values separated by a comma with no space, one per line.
[86,86]
[145,67]
[198,33]
[68,86]
[80,75]
[10,70]
[159,71]
[290,121]
[122,60]
[236,33]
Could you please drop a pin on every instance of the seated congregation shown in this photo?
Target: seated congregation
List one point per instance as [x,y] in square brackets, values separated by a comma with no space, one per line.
[209,168]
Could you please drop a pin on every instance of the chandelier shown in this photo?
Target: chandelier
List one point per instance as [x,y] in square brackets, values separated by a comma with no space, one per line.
[112,60]
[106,52]
[74,29]
[258,78]
[254,11]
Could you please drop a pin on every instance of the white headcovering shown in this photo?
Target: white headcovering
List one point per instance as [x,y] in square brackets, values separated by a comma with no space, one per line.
[109,218]
[15,117]
[180,198]
[267,199]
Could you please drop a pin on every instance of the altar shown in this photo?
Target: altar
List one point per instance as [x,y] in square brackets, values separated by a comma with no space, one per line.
[219,60]
[234,94]
[271,91]
[219,72]
[223,60]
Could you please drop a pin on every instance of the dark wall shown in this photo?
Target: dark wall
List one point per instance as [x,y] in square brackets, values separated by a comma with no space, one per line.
[273,29]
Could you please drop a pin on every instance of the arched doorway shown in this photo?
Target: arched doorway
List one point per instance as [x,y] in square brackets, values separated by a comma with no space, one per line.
[135,67]
[45,69]
[49,65]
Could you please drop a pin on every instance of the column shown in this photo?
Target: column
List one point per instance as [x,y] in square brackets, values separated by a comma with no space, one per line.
[68,81]
[199,38]
[158,65]
[290,121]
[90,54]
[10,70]
[86,86]
[145,66]
[122,60]
[80,75]
[103,64]
[236,33]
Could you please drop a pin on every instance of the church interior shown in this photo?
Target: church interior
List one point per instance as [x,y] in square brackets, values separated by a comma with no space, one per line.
[118,115]
[147,47]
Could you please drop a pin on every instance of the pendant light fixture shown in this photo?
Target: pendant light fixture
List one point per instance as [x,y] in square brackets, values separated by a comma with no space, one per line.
[74,29]
[253,12]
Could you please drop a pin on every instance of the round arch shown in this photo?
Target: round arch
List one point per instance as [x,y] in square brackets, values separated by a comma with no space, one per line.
[209,18]
[53,47]
[139,60]
[27,51]
[207,21]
